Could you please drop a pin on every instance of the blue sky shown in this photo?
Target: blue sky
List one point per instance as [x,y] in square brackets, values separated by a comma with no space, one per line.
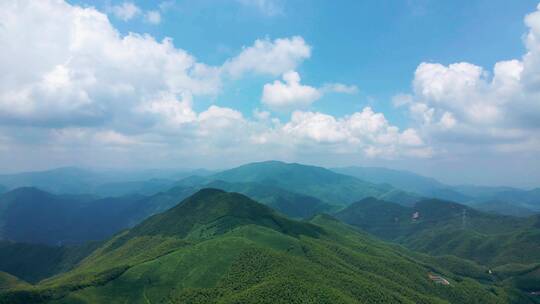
[375,45]
[443,88]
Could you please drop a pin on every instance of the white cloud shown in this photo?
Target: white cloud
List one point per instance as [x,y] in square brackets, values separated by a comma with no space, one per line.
[269,57]
[290,93]
[339,88]
[125,11]
[363,132]
[465,102]
[88,92]
[267,7]
[153,17]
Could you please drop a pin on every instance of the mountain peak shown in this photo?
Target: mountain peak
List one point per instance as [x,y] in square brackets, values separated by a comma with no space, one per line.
[212,211]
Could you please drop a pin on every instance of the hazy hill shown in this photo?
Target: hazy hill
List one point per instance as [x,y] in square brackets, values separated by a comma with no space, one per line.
[504,207]
[35,216]
[326,185]
[407,181]
[70,180]
[474,196]
[34,262]
[218,247]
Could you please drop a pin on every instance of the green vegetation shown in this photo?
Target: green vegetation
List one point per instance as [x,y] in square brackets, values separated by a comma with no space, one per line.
[509,246]
[219,247]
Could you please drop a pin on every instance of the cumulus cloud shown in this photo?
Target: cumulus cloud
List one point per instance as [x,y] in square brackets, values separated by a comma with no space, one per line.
[462,100]
[289,93]
[269,57]
[364,132]
[92,74]
[85,86]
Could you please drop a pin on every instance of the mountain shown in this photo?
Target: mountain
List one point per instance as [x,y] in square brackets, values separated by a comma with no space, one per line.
[442,227]
[328,186]
[474,196]
[529,199]
[405,180]
[219,247]
[35,216]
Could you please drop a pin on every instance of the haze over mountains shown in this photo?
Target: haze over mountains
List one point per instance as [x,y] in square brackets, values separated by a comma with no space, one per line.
[253,231]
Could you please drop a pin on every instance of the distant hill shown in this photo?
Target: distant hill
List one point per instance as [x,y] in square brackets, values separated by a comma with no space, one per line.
[70,180]
[219,247]
[34,262]
[405,180]
[326,185]
[471,195]
[289,203]
[35,216]
[504,208]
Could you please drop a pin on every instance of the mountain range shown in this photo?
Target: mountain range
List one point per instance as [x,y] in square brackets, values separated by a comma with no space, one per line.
[269,232]
[219,247]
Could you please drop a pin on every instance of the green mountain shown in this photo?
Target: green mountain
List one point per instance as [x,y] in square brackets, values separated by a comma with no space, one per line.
[437,227]
[219,247]
[444,227]
[326,185]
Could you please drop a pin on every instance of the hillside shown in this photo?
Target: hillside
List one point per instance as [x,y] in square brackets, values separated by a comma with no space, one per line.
[328,186]
[443,227]
[224,247]
[7,282]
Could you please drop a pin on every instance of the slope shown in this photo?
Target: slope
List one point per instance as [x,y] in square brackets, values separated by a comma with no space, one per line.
[442,227]
[218,247]
[8,282]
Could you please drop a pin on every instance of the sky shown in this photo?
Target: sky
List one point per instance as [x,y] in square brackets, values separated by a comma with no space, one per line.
[448,89]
